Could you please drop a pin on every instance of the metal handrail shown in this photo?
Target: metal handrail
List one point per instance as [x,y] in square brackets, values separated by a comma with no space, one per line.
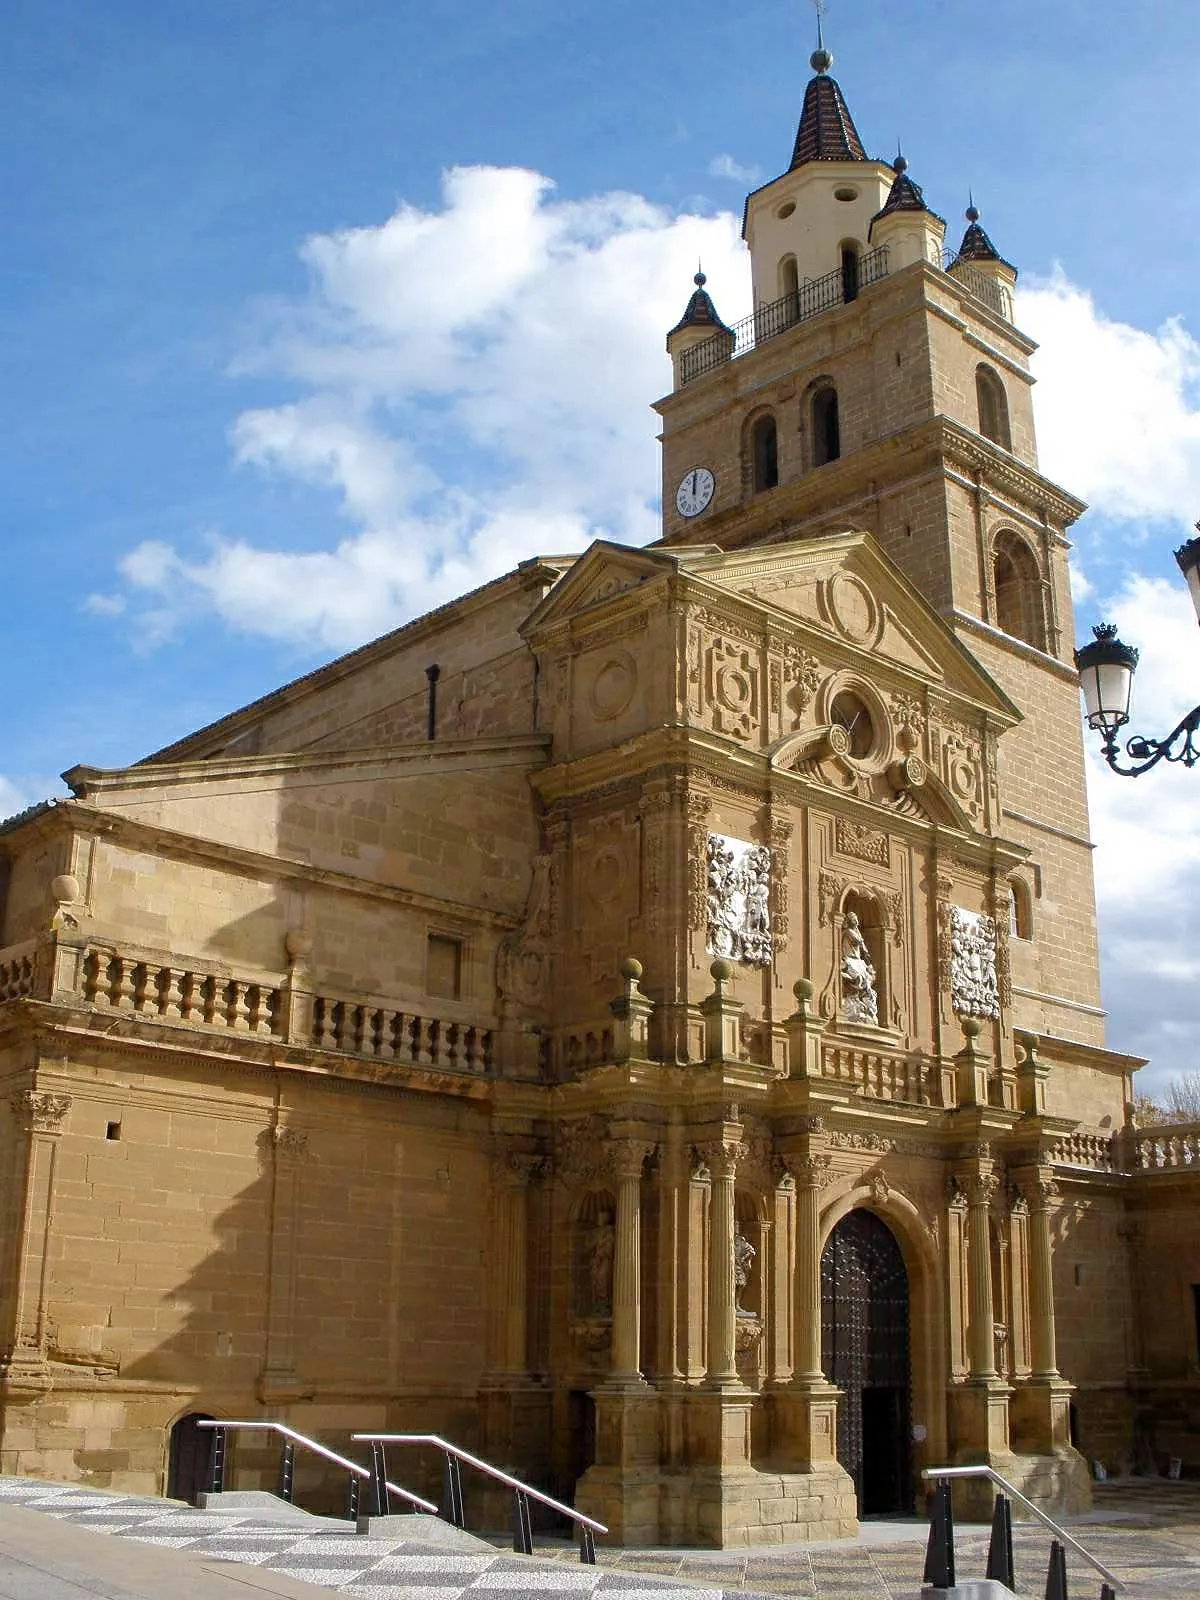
[523,1491]
[1058,1531]
[354,1467]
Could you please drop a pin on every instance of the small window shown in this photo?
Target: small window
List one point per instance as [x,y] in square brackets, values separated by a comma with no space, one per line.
[1020,909]
[826,433]
[993,407]
[789,284]
[764,446]
[112,1130]
[849,272]
[443,966]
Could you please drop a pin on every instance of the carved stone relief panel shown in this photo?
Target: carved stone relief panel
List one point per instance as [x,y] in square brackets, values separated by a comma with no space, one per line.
[739,900]
[974,988]
[733,687]
[867,844]
[956,751]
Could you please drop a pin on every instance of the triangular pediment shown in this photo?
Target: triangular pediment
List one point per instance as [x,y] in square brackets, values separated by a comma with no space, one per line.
[844,587]
[604,571]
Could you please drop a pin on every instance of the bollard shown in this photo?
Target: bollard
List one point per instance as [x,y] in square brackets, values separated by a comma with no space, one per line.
[1056,1573]
[1000,1545]
[939,1552]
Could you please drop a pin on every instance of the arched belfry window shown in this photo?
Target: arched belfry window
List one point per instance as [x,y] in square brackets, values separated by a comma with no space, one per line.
[1017,583]
[789,285]
[823,419]
[1020,922]
[993,407]
[849,253]
[764,453]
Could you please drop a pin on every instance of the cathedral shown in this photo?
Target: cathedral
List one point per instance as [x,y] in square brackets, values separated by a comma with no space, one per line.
[641,1019]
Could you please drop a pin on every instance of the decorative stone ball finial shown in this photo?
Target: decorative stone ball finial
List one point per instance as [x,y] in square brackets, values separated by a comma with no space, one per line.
[803,990]
[298,946]
[65,889]
[630,969]
[972,1028]
[721,971]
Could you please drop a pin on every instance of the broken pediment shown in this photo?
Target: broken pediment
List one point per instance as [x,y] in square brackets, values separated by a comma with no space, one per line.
[603,572]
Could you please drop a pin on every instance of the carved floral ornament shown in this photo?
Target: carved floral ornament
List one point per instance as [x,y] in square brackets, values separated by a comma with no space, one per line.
[40,1112]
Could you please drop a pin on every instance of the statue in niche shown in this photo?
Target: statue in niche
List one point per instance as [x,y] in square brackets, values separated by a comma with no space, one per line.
[743,1260]
[600,1267]
[860,1002]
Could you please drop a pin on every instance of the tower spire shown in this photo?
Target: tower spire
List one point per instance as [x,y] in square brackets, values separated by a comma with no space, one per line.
[826,131]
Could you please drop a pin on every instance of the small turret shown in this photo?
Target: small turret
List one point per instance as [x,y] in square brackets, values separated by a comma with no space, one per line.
[906,225]
[697,326]
[981,267]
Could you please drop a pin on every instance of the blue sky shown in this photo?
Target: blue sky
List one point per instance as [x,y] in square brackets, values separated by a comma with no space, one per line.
[272,381]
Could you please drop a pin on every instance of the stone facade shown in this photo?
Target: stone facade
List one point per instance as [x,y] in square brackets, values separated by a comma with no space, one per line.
[495,1050]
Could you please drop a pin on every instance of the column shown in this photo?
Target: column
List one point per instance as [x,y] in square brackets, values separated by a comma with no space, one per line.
[1043,1193]
[722,1354]
[512,1173]
[809,1173]
[981,1190]
[279,1380]
[41,1117]
[627,1263]
[783,1269]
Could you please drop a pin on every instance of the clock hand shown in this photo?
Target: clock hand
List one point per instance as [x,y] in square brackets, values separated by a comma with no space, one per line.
[693,484]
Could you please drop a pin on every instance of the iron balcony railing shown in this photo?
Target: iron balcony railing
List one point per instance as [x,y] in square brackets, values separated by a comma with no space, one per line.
[996,296]
[768,321]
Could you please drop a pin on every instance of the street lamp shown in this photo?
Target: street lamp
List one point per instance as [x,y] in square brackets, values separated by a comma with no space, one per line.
[1105,669]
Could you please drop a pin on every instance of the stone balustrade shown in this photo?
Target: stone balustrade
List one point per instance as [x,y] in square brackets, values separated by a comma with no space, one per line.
[883,1074]
[1084,1148]
[17,970]
[181,994]
[389,1035]
[1172,1147]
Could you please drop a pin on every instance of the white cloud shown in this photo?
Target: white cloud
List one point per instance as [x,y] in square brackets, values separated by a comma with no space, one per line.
[12,798]
[724,166]
[1147,835]
[1118,407]
[477,383]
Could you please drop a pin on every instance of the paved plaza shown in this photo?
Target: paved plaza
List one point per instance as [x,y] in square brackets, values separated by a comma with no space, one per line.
[64,1542]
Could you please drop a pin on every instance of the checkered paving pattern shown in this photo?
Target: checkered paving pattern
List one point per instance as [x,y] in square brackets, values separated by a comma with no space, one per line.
[1147,1533]
[332,1555]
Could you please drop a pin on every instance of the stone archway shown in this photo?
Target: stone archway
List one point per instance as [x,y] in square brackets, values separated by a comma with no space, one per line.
[865,1351]
[189,1457]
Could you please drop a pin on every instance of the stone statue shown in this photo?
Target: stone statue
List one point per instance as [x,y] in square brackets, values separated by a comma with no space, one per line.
[600,1269]
[743,1260]
[860,1002]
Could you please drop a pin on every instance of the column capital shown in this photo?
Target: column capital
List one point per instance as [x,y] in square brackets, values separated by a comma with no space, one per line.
[811,1170]
[40,1112]
[722,1156]
[515,1169]
[629,1156]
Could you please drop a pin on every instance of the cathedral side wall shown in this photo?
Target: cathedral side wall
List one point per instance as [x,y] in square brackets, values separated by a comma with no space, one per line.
[195,1257]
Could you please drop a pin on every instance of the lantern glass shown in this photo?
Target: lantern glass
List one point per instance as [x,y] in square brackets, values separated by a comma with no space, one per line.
[1106,673]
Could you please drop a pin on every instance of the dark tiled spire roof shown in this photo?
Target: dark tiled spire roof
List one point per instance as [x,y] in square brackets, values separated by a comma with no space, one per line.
[905,195]
[826,131]
[700,313]
[976,246]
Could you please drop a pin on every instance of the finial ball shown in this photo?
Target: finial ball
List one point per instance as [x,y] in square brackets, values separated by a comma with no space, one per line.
[971,1027]
[721,971]
[900,164]
[803,990]
[821,60]
[972,213]
[700,280]
[631,969]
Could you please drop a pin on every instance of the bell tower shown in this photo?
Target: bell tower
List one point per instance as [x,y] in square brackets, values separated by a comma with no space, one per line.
[881,384]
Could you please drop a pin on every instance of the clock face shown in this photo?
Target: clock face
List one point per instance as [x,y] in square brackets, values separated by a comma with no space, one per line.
[850,714]
[694,492]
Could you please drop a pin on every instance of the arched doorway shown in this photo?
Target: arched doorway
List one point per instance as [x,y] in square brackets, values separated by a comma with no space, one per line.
[865,1351]
[189,1460]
